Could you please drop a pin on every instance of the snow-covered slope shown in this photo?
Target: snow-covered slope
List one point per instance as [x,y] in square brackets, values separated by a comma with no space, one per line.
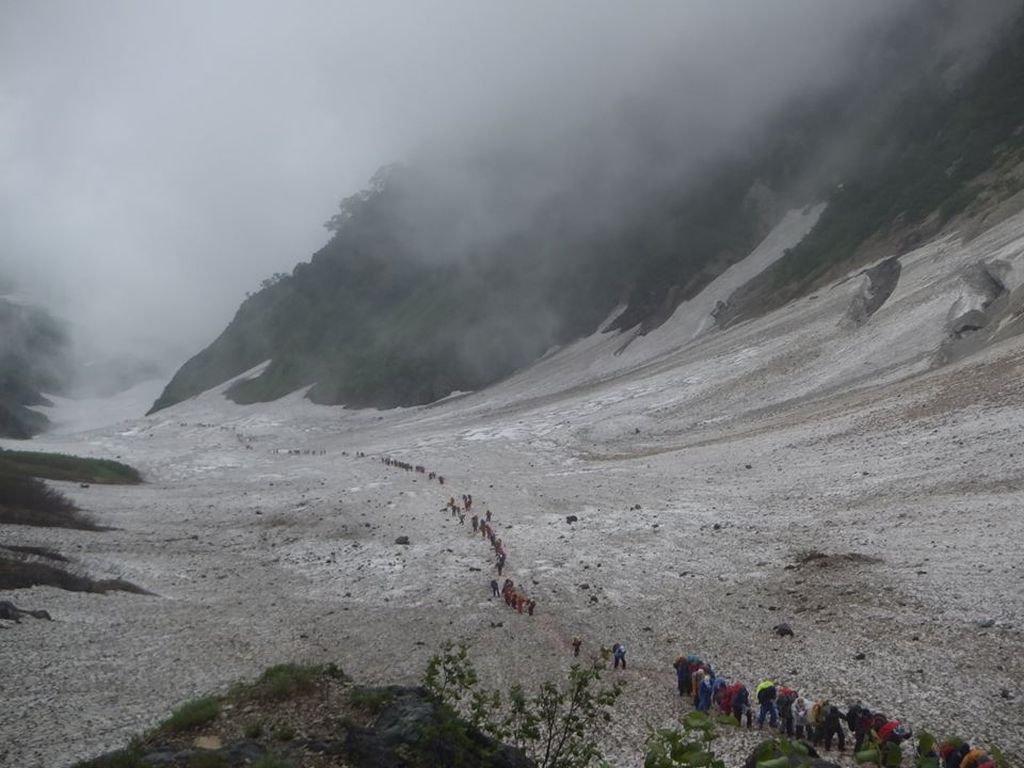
[702,465]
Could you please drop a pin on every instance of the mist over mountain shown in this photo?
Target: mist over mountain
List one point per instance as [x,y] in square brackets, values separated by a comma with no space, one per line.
[34,357]
[465,263]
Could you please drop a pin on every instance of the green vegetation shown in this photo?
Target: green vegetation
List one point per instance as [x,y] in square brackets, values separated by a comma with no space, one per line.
[922,164]
[253,730]
[59,466]
[690,747]
[285,732]
[270,761]
[26,500]
[192,714]
[554,727]
[371,700]
[287,680]
[34,355]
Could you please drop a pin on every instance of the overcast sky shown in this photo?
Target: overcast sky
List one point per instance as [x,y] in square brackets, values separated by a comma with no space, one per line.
[159,159]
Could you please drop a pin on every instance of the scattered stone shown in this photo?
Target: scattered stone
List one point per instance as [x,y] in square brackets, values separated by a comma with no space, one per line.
[716,527]
[1006,693]
[748,466]
[783,630]
[584,585]
[859,656]
[403,540]
[207,742]
[571,519]
[986,623]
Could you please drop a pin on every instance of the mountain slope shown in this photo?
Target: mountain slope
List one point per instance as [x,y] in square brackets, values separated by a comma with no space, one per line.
[33,358]
[423,291]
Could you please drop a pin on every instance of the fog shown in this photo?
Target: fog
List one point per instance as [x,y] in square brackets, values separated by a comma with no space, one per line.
[159,159]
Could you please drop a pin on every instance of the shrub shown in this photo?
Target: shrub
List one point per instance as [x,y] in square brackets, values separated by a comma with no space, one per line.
[554,727]
[192,714]
[284,681]
[284,732]
[253,730]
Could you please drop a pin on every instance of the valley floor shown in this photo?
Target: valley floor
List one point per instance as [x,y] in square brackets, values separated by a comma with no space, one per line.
[702,473]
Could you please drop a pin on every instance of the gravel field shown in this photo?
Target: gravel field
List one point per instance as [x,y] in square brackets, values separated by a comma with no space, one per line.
[702,465]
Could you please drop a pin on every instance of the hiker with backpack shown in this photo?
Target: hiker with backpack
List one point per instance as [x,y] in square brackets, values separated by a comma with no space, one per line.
[682,676]
[800,718]
[858,718]
[765,693]
[494,588]
[619,655]
[576,643]
[740,704]
[833,726]
[787,697]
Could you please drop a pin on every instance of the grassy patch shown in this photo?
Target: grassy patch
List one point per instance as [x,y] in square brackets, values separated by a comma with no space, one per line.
[372,700]
[128,758]
[16,573]
[284,681]
[285,732]
[45,552]
[270,761]
[28,501]
[192,714]
[59,466]
[253,730]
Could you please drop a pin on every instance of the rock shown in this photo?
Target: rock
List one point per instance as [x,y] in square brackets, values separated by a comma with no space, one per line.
[571,519]
[859,657]
[584,585]
[1006,693]
[716,527]
[403,540]
[986,623]
[207,742]
[783,630]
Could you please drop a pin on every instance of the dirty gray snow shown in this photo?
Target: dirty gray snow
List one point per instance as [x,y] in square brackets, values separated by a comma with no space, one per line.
[700,464]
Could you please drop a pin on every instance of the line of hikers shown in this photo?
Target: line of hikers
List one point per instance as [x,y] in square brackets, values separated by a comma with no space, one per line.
[418,468]
[482,525]
[876,737]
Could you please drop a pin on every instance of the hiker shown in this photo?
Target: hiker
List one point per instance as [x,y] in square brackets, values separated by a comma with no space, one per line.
[576,643]
[531,606]
[800,718]
[704,694]
[858,718]
[488,515]
[501,564]
[816,721]
[520,602]
[682,676]
[619,655]
[952,753]
[787,697]
[696,678]
[891,735]
[765,694]
[475,521]
[741,705]
[833,726]
[494,587]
